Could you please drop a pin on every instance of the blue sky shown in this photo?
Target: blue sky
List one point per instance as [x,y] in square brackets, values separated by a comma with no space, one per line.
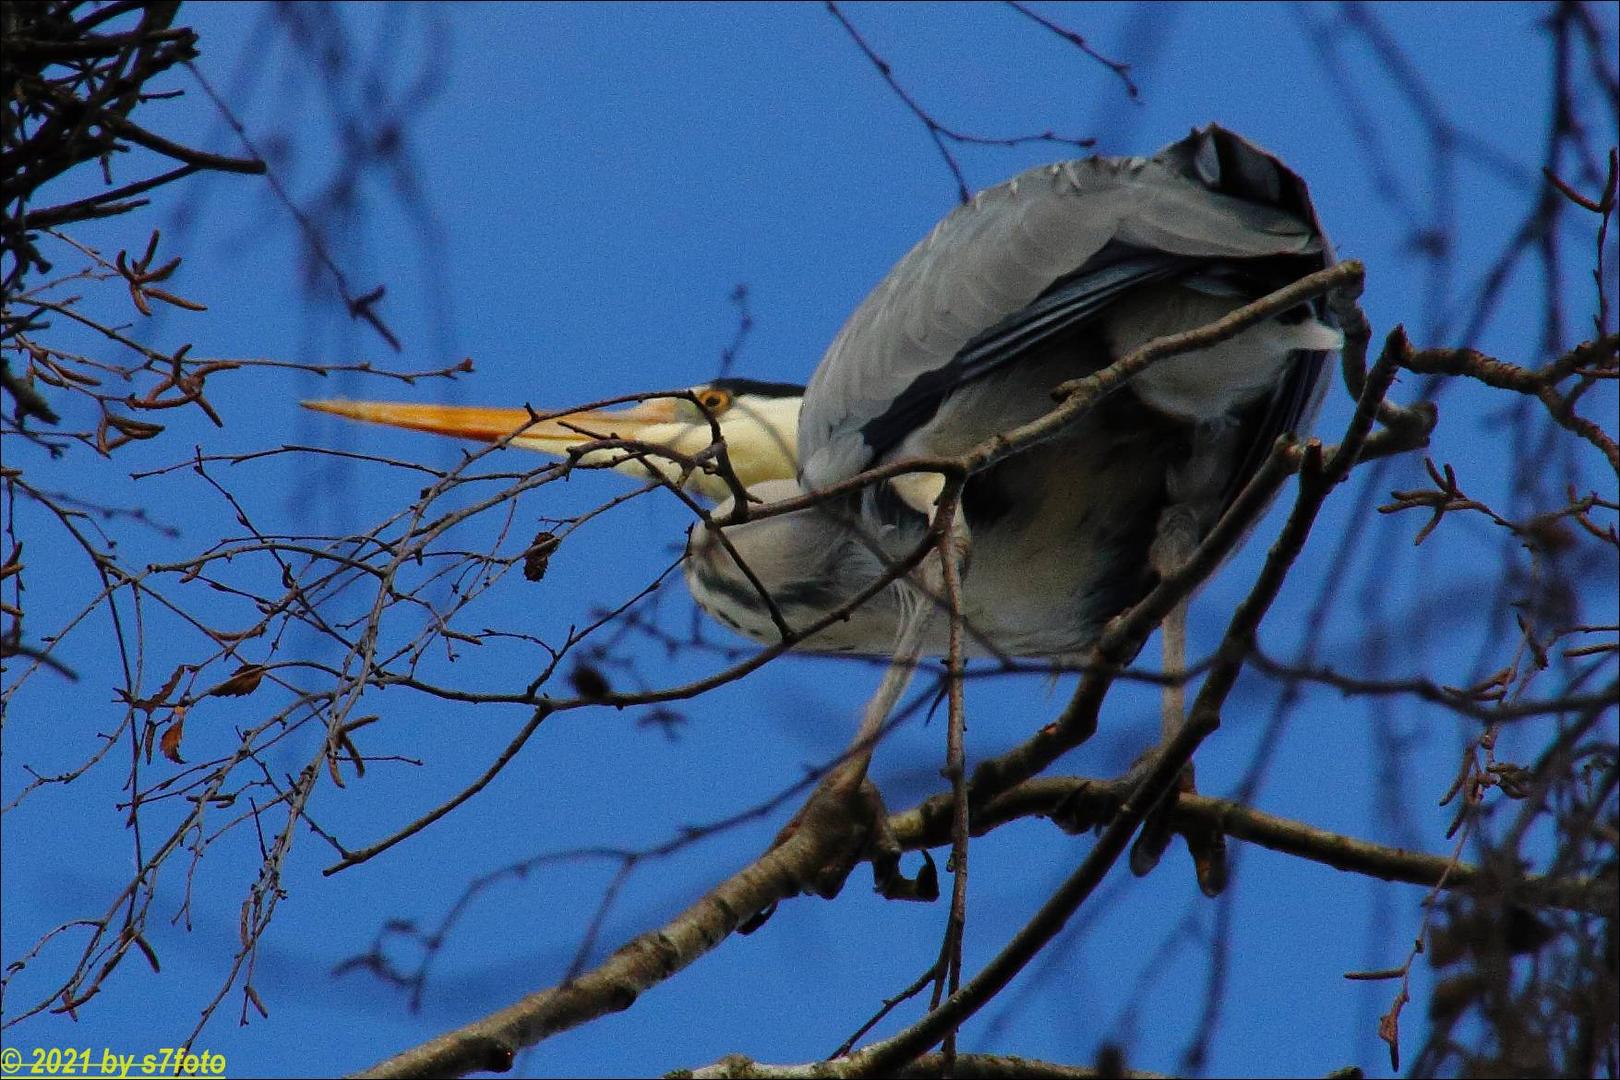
[598,180]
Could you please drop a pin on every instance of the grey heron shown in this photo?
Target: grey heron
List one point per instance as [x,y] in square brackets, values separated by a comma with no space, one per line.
[1047,277]
[1043,278]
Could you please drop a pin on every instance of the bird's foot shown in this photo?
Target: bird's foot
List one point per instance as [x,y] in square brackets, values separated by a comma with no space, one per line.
[853,824]
[1091,805]
[1206,843]
[1096,803]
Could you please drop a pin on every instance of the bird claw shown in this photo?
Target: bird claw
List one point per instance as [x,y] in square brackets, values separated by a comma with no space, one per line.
[891,884]
[1154,839]
[1087,807]
[1206,843]
[867,837]
[1206,846]
[856,823]
[1208,849]
[757,919]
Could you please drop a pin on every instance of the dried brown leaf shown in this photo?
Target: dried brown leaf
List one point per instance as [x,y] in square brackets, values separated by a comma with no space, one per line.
[178,301]
[147,951]
[1389,1029]
[538,556]
[243,681]
[160,699]
[170,742]
[135,429]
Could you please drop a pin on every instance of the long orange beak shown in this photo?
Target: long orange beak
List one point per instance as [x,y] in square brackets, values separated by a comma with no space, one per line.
[555,435]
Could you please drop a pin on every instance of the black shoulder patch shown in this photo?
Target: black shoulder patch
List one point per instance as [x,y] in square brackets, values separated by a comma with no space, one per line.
[1066,309]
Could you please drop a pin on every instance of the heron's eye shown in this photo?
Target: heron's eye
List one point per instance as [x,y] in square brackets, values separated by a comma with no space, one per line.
[714,399]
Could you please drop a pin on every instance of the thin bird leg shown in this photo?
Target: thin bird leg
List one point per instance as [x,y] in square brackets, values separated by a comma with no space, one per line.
[920,600]
[846,801]
[849,782]
[1175,540]
[1174,543]
[1173,701]
[850,805]
[896,678]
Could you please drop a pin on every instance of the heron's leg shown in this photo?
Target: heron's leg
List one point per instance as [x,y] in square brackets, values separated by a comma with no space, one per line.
[846,801]
[895,680]
[854,825]
[921,600]
[1177,536]
[1173,702]
[849,782]
[1173,545]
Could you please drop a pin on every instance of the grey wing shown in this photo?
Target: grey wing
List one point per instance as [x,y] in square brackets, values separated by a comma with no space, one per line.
[1038,256]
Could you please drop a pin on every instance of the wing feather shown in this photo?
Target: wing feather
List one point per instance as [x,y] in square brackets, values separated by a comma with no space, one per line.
[1037,256]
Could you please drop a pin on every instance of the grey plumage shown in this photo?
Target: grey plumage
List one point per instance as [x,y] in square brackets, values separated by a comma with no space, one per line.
[1042,254]
[1044,278]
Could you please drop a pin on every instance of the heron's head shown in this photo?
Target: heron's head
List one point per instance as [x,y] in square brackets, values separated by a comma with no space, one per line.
[759,422]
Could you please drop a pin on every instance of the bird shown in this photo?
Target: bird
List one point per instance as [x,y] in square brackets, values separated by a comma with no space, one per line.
[1044,278]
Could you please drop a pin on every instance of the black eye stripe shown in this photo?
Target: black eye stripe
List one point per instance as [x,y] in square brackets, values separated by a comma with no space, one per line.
[732,385]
